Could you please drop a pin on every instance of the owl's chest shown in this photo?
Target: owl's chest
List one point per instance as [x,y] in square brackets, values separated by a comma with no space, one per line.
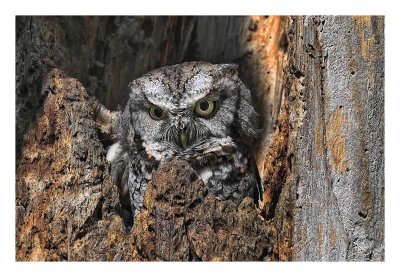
[214,167]
[217,168]
[141,171]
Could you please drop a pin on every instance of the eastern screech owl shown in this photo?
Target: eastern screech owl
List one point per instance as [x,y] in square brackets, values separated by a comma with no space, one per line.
[196,111]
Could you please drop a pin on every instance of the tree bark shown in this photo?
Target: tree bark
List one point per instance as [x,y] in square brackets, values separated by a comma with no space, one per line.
[318,86]
[336,142]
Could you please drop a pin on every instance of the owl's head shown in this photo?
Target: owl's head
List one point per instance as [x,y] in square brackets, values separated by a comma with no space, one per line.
[189,110]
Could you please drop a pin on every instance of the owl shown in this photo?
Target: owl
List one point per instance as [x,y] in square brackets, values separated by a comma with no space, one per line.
[195,111]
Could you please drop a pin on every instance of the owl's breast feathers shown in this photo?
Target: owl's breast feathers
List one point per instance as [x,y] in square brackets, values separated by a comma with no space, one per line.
[230,177]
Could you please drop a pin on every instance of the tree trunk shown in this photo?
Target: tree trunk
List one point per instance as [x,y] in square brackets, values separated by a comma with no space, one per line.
[318,86]
[336,142]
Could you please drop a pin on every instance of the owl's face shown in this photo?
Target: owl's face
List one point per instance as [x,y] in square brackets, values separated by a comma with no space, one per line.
[189,110]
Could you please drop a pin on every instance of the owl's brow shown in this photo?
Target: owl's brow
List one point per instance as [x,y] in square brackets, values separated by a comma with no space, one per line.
[148,103]
[210,94]
[194,71]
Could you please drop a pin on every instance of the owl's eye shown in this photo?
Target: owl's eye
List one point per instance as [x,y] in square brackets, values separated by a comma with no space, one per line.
[156,113]
[204,107]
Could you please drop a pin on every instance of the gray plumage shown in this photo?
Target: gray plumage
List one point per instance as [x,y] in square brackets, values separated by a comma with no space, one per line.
[195,111]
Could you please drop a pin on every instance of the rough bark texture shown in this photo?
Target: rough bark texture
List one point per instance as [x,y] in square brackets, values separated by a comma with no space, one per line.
[336,104]
[66,205]
[182,221]
[318,86]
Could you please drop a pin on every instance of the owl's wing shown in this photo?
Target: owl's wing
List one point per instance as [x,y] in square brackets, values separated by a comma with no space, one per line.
[119,174]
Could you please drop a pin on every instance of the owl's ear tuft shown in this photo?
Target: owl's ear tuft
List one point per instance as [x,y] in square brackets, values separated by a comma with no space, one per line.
[136,88]
[133,85]
[229,69]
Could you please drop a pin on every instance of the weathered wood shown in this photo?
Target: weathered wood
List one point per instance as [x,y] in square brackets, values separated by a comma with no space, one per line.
[336,181]
[66,204]
[182,221]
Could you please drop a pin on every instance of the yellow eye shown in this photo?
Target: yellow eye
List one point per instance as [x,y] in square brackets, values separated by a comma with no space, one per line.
[156,113]
[204,107]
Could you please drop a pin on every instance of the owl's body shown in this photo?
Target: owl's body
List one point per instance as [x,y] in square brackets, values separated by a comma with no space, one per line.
[195,111]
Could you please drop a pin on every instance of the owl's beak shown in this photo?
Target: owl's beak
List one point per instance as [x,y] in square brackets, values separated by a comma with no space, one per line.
[183,134]
[184,140]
